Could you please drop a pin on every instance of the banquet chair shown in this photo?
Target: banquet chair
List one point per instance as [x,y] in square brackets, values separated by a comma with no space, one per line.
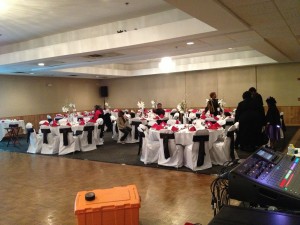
[98,132]
[13,134]
[134,131]
[196,155]
[169,154]
[282,126]
[150,149]
[34,139]
[159,121]
[171,122]
[67,142]
[87,138]
[115,132]
[222,152]
[50,143]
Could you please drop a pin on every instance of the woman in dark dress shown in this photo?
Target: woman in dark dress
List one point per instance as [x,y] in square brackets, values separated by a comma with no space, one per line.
[213,105]
[272,122]
[250,123]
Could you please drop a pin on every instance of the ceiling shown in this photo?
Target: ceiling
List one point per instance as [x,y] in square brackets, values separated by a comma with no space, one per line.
[102,39]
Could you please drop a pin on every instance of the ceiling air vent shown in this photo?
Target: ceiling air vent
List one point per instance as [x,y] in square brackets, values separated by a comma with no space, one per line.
[104,55]
[20,72]
[73,75]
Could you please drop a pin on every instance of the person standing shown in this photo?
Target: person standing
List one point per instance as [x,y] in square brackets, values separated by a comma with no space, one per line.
[272,122]
[213,105]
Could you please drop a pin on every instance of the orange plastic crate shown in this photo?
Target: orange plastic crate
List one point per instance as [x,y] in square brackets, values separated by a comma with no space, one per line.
[114,206]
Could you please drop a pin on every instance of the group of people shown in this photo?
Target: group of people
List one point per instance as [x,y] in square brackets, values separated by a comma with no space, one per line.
[254,124]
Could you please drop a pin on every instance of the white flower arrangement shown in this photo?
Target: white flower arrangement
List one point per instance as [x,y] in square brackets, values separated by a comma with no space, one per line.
[153,103]
[181,107]
[107,105]
[141,104]
[69,108]
[221,103]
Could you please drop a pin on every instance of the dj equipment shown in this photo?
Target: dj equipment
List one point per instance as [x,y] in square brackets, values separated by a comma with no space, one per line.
[232,215]
[267,178]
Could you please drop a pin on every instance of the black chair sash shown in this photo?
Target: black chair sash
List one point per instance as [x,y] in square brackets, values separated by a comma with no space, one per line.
[160,121]
[65,132]
[229,123]
[45,133]
[136,124]
[172,114]
[89,129]
[166,137]
[132,115]
[101,127]
[198,115]
[29,131]
[230,134]
[78,132]
[201,153]
[141,136]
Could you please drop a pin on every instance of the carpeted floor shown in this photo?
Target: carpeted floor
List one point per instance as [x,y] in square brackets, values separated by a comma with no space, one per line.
[113,152]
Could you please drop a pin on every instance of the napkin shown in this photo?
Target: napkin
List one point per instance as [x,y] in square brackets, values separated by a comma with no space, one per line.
[46,123]
[92,121]
[174,129]
[159,127]
[68,124]
[167,110]
[161,116]
[214,126]
[194,110]
[154,126]
[177,122]
[115,110]
[192,128]
[156,118]
[203,117]
[82,123]
[54,124]
[216,118]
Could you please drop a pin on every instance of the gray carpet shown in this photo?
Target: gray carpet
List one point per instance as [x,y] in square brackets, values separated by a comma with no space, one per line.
[113,152]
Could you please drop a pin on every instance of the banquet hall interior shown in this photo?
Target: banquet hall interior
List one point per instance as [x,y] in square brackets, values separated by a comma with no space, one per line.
[57,53]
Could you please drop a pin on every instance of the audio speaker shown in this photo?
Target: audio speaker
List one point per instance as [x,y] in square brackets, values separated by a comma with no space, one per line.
[104,91]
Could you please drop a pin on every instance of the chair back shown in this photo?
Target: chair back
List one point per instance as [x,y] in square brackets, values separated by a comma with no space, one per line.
[65,132]
[201,136]
[229,142]
[166,136]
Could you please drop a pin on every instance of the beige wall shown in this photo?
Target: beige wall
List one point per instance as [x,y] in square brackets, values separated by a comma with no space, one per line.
[31,95]
[279,81]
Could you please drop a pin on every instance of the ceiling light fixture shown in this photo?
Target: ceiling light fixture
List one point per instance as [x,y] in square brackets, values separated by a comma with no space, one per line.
[41,64]
[3,5]
[166,64]
[190,43]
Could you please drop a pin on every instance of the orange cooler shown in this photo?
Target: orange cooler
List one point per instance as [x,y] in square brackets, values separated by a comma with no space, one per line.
[114,206]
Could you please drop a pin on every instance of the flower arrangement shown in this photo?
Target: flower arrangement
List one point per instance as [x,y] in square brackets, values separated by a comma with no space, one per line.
[181,107]
[69,108]
[141,104]
[153,103]
[107,106]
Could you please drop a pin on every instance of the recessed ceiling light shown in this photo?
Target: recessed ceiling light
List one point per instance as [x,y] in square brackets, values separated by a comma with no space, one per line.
[41,64]
[31,73]
[229,48]
[190,43]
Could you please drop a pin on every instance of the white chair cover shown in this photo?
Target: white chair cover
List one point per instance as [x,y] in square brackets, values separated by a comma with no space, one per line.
[83,138]
[52,146]
[35,141]
[171,122]
[191,153]
[72,144]
[170,154]
[149,148]
[220,153]
[99,140]
[135,122]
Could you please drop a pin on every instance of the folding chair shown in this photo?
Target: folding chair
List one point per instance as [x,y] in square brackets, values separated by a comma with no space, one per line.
[13,134]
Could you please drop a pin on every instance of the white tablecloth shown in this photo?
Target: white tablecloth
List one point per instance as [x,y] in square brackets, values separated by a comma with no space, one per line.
[185,137]
[5,124]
